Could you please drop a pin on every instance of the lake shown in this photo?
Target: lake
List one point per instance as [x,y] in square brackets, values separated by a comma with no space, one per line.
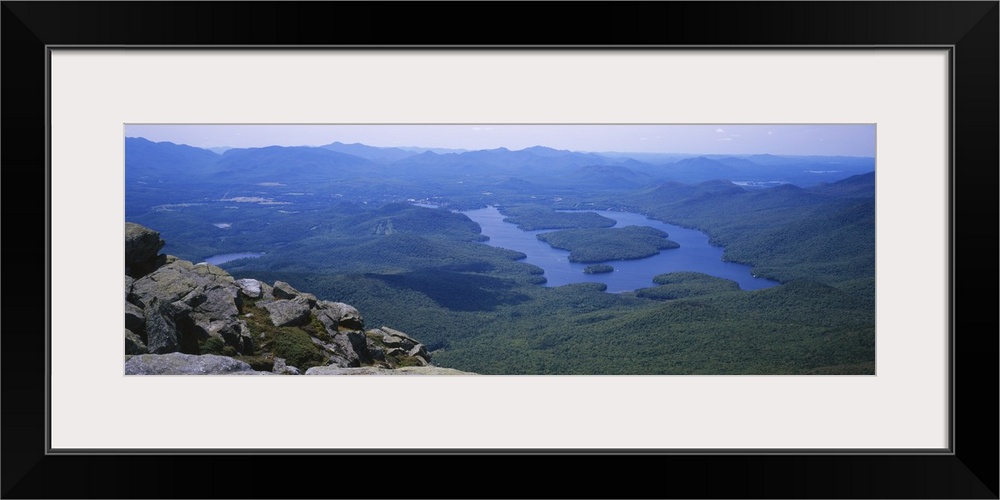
[226,257]
[695,254]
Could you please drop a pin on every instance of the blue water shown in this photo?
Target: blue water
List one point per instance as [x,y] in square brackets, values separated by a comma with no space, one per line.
[694,254]
[226,257]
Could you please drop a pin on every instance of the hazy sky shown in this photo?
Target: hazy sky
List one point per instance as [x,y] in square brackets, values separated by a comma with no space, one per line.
[846,140]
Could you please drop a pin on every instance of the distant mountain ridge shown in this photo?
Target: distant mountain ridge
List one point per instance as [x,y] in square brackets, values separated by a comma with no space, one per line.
[369,152]
[542,166]
[857,186]
[280,163]
[147,159]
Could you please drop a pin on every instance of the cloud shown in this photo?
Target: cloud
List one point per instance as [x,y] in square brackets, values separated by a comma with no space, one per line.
[769,132]
[719,131]
[724,139]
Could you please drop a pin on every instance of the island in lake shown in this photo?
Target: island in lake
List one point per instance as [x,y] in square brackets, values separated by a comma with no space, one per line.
[603,244]
[598,269]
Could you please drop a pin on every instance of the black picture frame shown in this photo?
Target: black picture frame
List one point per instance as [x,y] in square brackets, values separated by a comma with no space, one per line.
[969,28]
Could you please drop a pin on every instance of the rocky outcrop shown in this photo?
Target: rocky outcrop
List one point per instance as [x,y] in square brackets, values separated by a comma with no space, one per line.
[177,363]
[398,345]
[250,287]
[339,314]
[134,343]
[142,247]
[287,312]
[185,304]
[183,318]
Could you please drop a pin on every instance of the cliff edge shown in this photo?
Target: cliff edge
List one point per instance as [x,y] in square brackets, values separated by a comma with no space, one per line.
[183,318]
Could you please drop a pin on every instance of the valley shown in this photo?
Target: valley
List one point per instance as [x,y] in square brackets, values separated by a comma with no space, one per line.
[784,283]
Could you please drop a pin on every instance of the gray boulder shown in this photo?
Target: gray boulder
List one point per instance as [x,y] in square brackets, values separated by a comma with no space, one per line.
[234,332]
[378,355]
[135,319]
[396,338]
[185,364]
[161,325]
[419,351]
[327,319]
[142,246]
[396,348]
[338,362]
[283,290]
[354,346]
[336,315]
[266,292]
[128,285]
[306,298]
[281,367]
[288,313]
[134,343]
[291,370]
[181,280]
[250,287]
[215,301]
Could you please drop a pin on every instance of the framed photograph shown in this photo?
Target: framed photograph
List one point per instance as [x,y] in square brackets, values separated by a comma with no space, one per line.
[893,104]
